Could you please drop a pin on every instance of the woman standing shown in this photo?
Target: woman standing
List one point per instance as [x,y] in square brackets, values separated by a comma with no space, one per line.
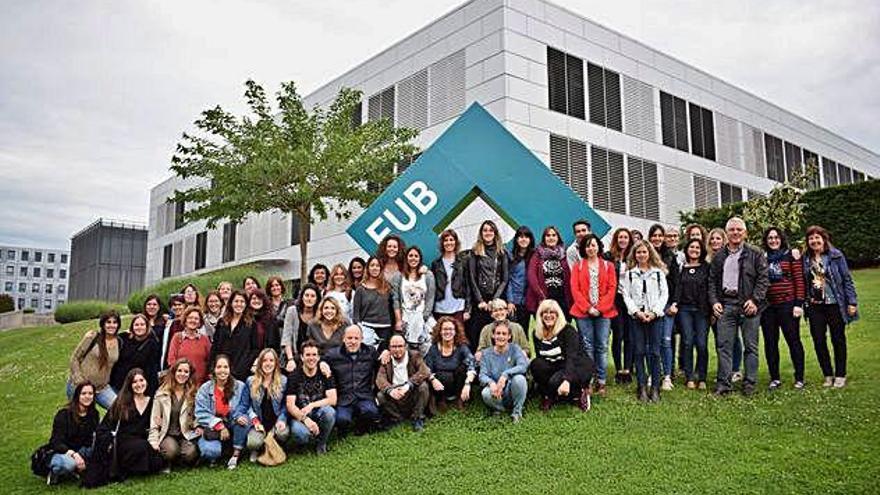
[267,334]
[213,312]
[450,293]
[452,365]
[621,345]
[487,278]
[73,433]
[319,275]
[372,308]
[548,273]
[236,336]
[413,300]
[645,293]
[327,329]
[593,286]
[93,359]
[192,345]
[172,328]
[691,301]
[356,268]
[216,401]
[391,256]
[276,290]
[191,296]
[225,289]
[561,369]
[831,303]
[138,348]
[517,286]
[296,323]
[785,303]
[262,407]
[172,424]
[155,319]
[657,238]
[339,288]
[250,284]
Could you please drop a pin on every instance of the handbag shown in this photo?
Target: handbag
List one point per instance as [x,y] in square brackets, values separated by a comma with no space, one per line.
[114,453]
[273,454]
[40,460]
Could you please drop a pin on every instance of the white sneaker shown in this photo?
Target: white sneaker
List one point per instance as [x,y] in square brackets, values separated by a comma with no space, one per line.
[774,384]
[232,463]
[736,377]
[829,381]
[799,385]
[254,455]
[667,383]
[840,382]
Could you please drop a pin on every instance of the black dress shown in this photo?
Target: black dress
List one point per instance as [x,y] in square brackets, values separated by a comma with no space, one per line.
[135,454]
[142,354]
[239,344]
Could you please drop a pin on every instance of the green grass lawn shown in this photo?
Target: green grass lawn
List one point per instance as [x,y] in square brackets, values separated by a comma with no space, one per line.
[817,441]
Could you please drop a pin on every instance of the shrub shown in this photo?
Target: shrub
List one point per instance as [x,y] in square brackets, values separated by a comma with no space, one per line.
[85,310]
[713,217]
[6,303]
[28,311]
[205,282]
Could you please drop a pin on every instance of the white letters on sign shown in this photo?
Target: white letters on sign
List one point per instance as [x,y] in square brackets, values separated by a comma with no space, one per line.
[420,196]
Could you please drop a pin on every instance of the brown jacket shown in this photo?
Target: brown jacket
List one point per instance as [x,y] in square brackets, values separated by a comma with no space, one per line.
[86,366]
[416,369]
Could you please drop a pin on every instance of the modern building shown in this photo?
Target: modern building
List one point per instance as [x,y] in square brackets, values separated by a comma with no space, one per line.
[107,260]
[636,133]
[35,278]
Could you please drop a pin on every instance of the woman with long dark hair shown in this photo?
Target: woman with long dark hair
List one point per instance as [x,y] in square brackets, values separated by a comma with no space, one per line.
[93,359]
[155,318]
[413,300]
[296,323]
[268,335]
[250,284]
[236,336]
[327,328]
[216,402]
[73,433]
[621,345]
[356,268]
[691,301]
[172,423]
[319,275]
[372,308]
[487,278]
[138,348]
[831,303]
[450,297]
[276,291]
[548,273]
[518,282]
[390,254]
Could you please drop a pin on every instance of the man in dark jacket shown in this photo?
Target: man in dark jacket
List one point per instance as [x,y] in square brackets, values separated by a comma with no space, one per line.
[403,384]
[354,366]
[738,283]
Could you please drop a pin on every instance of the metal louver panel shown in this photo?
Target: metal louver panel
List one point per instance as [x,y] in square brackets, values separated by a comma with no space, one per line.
[635,171]
[388,104]
[612,101]
[652,192]
[447,93]
[357,114]
[678,192]
[638,101]
[705,192]
[556,80]
[616,183]
[760,166]
[578,169]
[596,88]
[727,141]
[374,107]
[574,69]
[559,157]
[599,167]
[412,101]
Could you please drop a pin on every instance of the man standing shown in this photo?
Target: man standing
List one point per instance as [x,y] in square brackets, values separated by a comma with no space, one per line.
[502,374]
[738,283]
[354,366]
[310,400]
[580,228]
[403,384]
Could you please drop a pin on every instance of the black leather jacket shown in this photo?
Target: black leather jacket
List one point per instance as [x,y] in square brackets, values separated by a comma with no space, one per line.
[487,276]
[459,283]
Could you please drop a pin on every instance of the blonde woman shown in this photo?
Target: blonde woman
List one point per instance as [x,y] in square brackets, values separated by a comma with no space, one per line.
[267,384]
[172,425]
[487,278]
[327,329]
[561,370]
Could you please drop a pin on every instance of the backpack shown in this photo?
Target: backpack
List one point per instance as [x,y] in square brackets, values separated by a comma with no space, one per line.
[40,460]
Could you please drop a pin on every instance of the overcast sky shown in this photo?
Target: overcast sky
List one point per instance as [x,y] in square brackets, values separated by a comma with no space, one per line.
[95,94]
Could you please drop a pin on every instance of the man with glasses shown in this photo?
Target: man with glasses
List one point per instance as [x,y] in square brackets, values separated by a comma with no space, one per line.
[403,385]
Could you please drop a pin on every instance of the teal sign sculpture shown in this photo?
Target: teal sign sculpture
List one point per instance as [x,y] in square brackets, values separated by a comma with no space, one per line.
[476,156]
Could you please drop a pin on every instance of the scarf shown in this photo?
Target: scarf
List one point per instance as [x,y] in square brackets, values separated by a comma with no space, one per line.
[546,253]
[774,264]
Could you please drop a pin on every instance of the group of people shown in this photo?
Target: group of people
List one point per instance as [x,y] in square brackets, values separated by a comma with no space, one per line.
[392,338]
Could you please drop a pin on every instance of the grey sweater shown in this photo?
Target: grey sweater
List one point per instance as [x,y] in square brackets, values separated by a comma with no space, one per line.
[369,306]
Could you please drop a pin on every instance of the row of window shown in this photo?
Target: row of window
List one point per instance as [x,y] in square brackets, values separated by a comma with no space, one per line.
[710,193]
[24,255]
[36,272]
[601,181]
[35,303]
[35,287]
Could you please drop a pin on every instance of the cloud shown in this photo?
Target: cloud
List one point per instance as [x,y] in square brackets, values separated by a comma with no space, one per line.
[94,98]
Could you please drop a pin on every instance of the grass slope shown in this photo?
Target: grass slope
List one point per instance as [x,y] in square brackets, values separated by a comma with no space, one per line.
[817,441]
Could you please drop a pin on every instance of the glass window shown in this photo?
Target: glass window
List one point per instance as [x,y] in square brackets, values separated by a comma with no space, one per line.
[20,303]
[35,303]
[22,286]
[48,288]
[35,287]
[61,301]
[10,270]
[38,256]
[61,288]
[37,272]
[23,271]
[25,256]
[9,286]
[10,255]
[64,258]
[47,303]
[50,273]
[51,257]
[62,273]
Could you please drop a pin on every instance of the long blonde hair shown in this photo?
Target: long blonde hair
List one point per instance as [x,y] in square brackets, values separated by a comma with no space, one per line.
[480,248]
[169,381]
[275,380]
[541,331]
[654,260]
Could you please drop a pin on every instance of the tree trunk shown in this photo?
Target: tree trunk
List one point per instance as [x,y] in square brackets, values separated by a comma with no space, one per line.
[305,221]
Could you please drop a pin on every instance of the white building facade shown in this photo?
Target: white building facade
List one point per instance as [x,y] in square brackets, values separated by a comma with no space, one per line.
[636,133]
[35,278]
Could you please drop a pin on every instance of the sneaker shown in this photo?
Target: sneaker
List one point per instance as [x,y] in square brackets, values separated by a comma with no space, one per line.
[774,384]
[585,402]
[840,382]
[253,456]
[418,425]
[321,449]
[799,385]
[516,418]
[829,381]
[546,404]
[232,463]
[748,389]
[166,470]
[736,377]
[701,385]
[691,385]
[52,479]
[667,383]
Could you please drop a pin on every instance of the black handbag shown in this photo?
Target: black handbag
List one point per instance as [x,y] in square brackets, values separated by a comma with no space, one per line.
[114,453]
[40,460]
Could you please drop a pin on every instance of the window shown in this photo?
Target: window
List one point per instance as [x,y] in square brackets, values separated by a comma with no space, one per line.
[22,271]
[50,273]
[357,115]
[608,175]
[201,250]
[381,106]
[38,256]
[644,199]
[35,288]
[812,160]
[10,255]
[10,270]
[51,257]
[705,192]
[793,160]
[166,260]
[37,272]
[565,82]
[48,288]
[773,153]
[35,303]
[22,287]
[64,258]
[47,303]
[844,174]
[294,231]
[604,86]
[858,176]
[829,172]
[730,193]
[702,132]
[61,301]
[228,242]
[568,160]
[61,289]
[62,273]
[9,286]
[25,256]
[179,210]
[673,120]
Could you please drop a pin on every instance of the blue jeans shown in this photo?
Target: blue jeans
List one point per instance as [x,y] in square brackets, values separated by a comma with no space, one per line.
[62,464]
[104,398]
[324,416]
[646,346]
[694,333]
[513,397]
[211,450]
[667,347]
[365,410]
[594,337]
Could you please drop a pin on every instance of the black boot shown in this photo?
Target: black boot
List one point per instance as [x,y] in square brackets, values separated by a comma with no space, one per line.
[655,394]
[642,393]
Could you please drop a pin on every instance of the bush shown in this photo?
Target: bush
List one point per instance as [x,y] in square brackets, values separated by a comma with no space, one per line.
[28,311]
[713,217]
[6,303]
[849,213]
[205,282]
[85,310]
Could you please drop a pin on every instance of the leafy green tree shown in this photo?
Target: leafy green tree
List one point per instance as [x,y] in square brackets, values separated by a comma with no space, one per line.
[782,207]
[308,163]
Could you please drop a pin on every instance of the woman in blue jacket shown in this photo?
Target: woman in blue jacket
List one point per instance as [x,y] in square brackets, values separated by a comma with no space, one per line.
[262,405]
[216,403]
[831,302]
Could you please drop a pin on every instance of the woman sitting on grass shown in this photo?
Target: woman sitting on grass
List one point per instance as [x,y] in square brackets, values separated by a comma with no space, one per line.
[172,425]
[73,433]
[216,401]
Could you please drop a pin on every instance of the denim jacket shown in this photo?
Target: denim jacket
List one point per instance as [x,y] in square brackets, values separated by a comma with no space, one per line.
[249,405]
[839,280]
[205,411]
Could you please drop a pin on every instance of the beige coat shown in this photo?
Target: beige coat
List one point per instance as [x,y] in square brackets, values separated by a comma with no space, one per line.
[159,418]
[87,366]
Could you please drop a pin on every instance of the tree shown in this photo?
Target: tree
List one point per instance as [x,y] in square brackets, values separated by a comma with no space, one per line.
[783,207]
[305,163]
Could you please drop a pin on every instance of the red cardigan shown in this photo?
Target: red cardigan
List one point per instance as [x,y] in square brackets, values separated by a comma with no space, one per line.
[580,289]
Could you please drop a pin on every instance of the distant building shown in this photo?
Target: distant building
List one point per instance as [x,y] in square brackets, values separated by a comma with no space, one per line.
[35,278]
[107,260]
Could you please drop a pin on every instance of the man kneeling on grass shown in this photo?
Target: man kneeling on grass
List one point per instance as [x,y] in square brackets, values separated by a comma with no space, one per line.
[311,396]
[403,384]
[502,374]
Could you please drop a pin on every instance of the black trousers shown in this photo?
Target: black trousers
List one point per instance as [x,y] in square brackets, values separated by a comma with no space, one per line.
[774,318]
[825,317]
[453,382]
[473,327]
[549,376]
[621,343]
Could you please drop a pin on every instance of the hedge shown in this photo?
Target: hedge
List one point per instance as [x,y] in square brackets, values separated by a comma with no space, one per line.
[6,303]
[85,310]
[849,212]
[205,282]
